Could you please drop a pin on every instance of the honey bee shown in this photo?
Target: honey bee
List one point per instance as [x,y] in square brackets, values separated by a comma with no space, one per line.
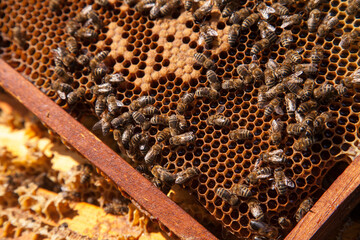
[233,84]
[264,229]
[82,16]
[284,223]
[114,78]
[206,92]
[135,140]
[230,7]
[250,20]
[262,96]
[304,208]
[185,100]
[273,106]
[104,88]
[127,135]
[141,102]
[258,173]
[54,5]
[164,135]
[187,174]
[256,209]
[293,56]
[270,79]
[113,104]
[275,91]
[259,46]
[121,120]
[169,7]
[104,124]
[75,95]
[102,3]
[98,73]
[150,110]
[207,34]
[138,117]
[307,68]
[281,182]
[62,89]
[160,120]
[295,129]
[87,171]
[321,120]
[98,58]
[325,92]
[173,124]
[277,127]
[312,4]
[95,19]
[326,25]
[264,10]
[349,38]
[256,71]
[116,207]
[306,106]
[245,74]
[83,60]
[303,143]
[317,54]
[291,20]
[204,61]
[314,20]
[72,26]
[234,32]
[182,122]
[189,3]
[213,79]
[144,6]
[163,175]
[353,7]
[131,2]
[286,38]
[203,11]
[240,134]
[239,16]
[227,196]
[267,31]
[280,9]
[218,120]
[62,74]
[155,10]
[308,90]
[182,139]
[290,103]
[274,157]
[86,34]
[154,151]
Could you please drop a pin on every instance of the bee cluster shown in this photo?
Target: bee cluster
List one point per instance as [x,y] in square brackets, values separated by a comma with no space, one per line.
[251,135]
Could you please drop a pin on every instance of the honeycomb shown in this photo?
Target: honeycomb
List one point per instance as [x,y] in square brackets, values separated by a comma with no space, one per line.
[156,59]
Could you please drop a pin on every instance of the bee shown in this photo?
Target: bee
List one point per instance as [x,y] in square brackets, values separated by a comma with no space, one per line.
[163,175]
[206,92]
[275,91]
[98,73]
[233,84]
[304,208]
[241,190]
[270,78]
[312,4]
[150,110]
[213,79]
[293,56]
[116,207]
[71,44]
[326,25]
[262,96]
[102,3]
[290,103]
[182,139]
[207,34]
[95,19]
[284,70]
[264,10]
[189,4]
[62,89]
[306,106]
[295,129]
[258,173]
[273,106]
[317,54]
[75,95]
[135,140]
[86,34]
[185,100]
[256,72]
[72,26]
[87,171]
[218,120]
[98,58]
[117,135]
[308,90]
[104,124]
[164,135]
[240,134]
[82,16]
[204,61]
[307,68]
[131,2]
[281,182]
[314,20]
[267,31]
[277,127]
[141,102]
[325,92]
[321,120]
[121,120]
[239,16]
[230,7]
[169,7]
[173,124]
[154,151]
[155,10]
[160,120]
[203,11]
[54,5]
[182,122]
[349,38]
[353,7]
[259,46]
[256,209]
[227,196]
[138,117]
[286,38]
[274,157]
[250,20]
[127,135]
[284,223]
[83,60]
[114,78]
[310,117]
[264,229]
[113,104]
[280,9]
[187,174]
[291,20]
[234,32]
[104,88]
[144,6]
[303,143]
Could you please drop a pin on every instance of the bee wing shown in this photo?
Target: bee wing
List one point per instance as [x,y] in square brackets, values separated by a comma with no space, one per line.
[119,103]
[271,27]
[263,176]
[266,11]
[290,183]
[338,32]
[220,109]
[271,64]
[276,125]
[279,110]
[97,126]
[276,152]
[298,117]
[299,50]
[207,7]
[286,21]
[86,9]
[201,39]
[212,32]
[356,74]
[62,95]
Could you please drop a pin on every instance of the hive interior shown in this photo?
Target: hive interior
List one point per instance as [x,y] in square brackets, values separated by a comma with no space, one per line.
[156,59]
